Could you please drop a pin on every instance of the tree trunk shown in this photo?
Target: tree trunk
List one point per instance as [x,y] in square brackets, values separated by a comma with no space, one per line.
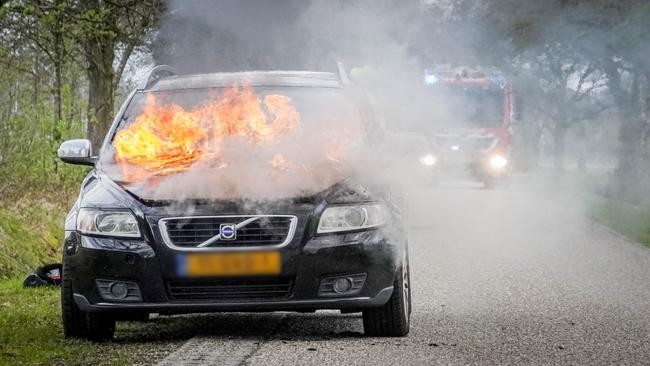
[73,114]
[100,56]
[36,82]
[627,177]
[629,161]
[56,133]
[58,69]
[559,142]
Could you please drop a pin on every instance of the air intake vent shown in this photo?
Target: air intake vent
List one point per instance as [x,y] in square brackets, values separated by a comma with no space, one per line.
[228,289]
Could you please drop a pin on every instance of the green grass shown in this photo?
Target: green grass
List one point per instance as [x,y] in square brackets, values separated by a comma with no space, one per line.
[629,220]
[31,226]
[30,235]
[31,333]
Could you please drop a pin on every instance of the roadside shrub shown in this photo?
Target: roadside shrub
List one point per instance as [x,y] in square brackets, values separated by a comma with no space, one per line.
[36,189]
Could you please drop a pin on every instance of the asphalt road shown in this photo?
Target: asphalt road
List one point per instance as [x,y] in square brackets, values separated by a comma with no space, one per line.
[499,277]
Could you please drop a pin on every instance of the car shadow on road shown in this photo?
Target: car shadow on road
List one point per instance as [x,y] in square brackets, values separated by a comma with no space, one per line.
[285,326]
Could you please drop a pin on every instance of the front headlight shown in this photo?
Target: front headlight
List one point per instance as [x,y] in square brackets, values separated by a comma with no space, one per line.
[428,160]
[498,162]
[354,217]
[107,223]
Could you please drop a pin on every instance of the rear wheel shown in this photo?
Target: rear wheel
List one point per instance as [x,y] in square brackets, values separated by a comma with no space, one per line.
[79,324]
[393,318]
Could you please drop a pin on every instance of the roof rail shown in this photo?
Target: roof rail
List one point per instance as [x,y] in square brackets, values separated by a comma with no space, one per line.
[343,75]
[157,73]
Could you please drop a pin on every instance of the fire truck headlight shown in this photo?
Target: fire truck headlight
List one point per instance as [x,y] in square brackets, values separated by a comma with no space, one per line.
[428,160]
[498,162]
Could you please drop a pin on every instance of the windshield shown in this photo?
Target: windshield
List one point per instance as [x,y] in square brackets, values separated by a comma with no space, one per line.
[471,107]
[291,134]
[315,105]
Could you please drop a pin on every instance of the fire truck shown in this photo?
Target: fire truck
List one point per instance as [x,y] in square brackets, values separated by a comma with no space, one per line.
[471,130]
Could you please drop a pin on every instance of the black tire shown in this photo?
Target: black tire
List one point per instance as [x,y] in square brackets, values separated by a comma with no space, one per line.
[435,182]
[99,327]
[490,183]
[79,324]
[497,182]
[74,324]
[133,317]
[393,318]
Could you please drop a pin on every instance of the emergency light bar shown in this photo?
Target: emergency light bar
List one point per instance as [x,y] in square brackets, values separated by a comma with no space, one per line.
[460,74]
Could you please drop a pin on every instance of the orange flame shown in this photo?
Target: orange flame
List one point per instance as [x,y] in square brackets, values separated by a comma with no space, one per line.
[166,139]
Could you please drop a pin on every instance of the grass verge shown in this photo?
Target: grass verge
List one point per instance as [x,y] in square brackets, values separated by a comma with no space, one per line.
[31,334]
[29,236]
[31,227]
[630,220]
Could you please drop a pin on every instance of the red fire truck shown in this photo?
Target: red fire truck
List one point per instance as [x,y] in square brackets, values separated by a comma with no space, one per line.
[470,132]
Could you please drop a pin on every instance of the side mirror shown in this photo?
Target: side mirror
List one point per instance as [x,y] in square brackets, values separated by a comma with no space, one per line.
[77,151]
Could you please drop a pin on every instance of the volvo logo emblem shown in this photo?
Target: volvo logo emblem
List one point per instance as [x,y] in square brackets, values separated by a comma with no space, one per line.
[228,231]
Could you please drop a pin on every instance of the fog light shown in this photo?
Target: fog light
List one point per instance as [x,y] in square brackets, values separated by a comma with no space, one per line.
[119,290]
[122,291]
[342,285]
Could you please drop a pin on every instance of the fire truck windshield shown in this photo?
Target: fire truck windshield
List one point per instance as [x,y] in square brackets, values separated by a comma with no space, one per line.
[472,107]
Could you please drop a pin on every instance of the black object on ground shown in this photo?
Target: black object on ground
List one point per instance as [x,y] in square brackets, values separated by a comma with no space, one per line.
[47,275]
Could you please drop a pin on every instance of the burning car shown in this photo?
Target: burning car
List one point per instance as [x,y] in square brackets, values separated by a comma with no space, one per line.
[234,192]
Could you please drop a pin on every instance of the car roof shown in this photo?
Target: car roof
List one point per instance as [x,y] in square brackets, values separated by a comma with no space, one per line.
[253,78]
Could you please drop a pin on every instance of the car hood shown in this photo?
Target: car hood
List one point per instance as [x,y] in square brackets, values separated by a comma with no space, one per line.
[98,190]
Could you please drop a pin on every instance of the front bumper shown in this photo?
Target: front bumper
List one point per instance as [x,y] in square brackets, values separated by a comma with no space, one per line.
[358,302]
[305,262]
[469,167]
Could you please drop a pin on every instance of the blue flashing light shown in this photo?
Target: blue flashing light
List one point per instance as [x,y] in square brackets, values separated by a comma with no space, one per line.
[500,81]
[430,79]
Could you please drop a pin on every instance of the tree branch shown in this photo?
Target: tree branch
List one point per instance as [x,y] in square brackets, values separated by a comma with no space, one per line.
[123,61]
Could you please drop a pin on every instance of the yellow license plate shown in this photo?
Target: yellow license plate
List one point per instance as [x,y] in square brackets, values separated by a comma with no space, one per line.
[232,264]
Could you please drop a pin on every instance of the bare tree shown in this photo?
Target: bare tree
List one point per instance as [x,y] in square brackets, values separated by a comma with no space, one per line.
[104,27]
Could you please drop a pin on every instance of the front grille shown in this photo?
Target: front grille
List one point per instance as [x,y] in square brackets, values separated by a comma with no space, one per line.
[485,143]
[230,288]
[466,144]
[251,231]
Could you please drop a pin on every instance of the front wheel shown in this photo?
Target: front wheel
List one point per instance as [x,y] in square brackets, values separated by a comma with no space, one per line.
[79,324]
[490,183]
[393,318]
